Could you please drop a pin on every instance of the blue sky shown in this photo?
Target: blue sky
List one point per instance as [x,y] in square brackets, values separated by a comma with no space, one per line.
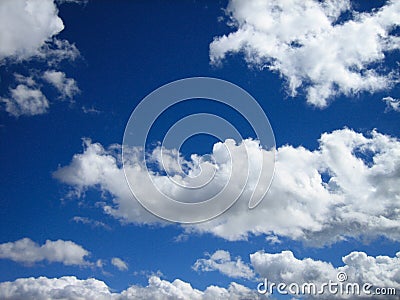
[71,74]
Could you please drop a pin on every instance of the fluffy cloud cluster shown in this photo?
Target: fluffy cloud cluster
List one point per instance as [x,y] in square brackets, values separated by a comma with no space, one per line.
[221,261]
[25,100]
[325,47]
[28,30]
[27,251]
[380,271]
[70,287]
[347,188]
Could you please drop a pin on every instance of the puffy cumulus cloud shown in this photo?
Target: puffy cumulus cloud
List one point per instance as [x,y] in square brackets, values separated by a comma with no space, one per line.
[380,271]
[312,45]
[25,100]
[27,251]
[101,168]
[25,26]
[67,87]
[119,264]
[347,188]
[284,267]
[392,103]
[69,287]
[28,29]
[221,261]
[42,288]
[178,289]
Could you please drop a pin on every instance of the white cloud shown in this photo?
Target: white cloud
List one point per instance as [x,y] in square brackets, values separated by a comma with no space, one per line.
[55,51]
[26,80]
[27,251]
[42,288]
[69,287]
[178,289]
[100,263]
[380,271]
[93,223]
[25,25]
[348,188]
[392,103]
[90,110]
[309,44]
[119,264]
[72,1]
[67,87]
[284,267]
[273,239]
[99,167]
[221,261]
[28,30]
[25,100]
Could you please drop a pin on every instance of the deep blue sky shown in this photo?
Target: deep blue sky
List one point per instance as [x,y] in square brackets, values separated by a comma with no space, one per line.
[128,49]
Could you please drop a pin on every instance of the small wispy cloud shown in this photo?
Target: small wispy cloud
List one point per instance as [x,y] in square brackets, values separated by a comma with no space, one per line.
[90,110]
[119,264]
[92,223]
[391,104]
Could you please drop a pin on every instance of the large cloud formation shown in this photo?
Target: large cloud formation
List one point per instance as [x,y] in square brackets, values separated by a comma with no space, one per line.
[69,287]
[325,47]
[347,188]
